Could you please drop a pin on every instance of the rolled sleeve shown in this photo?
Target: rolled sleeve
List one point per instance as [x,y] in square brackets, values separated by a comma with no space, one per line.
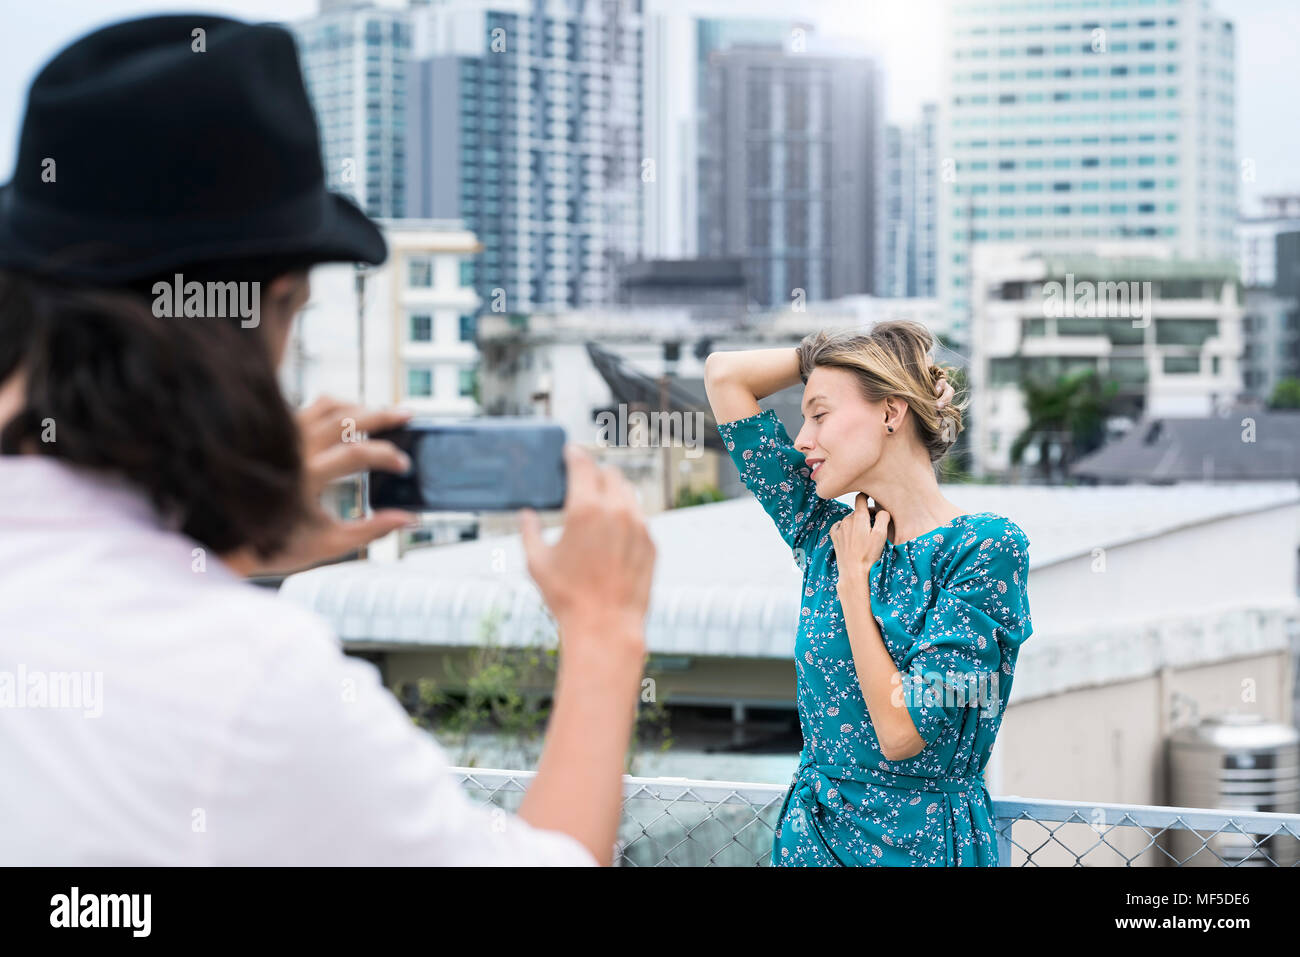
[954,666]
[966,648]
[775,472]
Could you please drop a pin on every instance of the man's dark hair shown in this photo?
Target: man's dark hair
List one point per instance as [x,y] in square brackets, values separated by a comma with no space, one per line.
[187,409]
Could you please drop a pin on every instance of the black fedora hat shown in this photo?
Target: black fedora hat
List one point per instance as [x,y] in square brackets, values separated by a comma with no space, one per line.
[173,140]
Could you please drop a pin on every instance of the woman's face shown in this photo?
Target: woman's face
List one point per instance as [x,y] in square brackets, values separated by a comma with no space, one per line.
[843,434]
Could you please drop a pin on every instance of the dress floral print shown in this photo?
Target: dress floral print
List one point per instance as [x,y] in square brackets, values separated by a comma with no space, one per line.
[953,608]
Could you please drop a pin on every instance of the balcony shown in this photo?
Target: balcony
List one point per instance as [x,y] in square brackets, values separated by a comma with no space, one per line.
[678,822]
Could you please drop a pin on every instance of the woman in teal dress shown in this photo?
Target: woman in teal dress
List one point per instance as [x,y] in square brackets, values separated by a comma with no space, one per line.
[913,611]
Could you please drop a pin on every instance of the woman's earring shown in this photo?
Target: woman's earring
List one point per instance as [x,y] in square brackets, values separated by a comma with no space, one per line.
[890,428]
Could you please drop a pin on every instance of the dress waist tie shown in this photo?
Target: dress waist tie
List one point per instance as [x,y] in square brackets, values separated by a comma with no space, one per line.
[817,781]
[816,784]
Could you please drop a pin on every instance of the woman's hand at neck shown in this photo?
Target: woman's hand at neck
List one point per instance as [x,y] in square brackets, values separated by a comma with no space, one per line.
[910,493]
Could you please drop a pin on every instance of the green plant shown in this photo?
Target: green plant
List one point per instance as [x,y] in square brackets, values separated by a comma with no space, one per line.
[1286,395]
[652,721]
[1069,413]
[687,497]
[493,701]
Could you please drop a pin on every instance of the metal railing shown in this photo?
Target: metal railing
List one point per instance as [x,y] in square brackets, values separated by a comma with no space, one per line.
[681,822]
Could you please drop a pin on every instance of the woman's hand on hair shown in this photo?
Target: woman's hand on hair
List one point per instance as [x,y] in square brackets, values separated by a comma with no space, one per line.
[334,446]
[859,539]
[943,389]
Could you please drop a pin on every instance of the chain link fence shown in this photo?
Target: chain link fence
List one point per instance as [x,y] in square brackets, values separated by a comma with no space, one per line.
[678,822]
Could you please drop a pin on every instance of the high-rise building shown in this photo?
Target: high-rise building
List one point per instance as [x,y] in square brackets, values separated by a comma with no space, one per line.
[925,208]
[1257,239]
[526,124]
[679,37]
[1085,120]
[1269,257]
[1270,332]
[910,208]
[354,58]
[896,209]
[792,171]
[1286,263]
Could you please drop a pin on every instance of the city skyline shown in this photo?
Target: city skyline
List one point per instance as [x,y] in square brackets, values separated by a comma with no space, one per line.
[904,39]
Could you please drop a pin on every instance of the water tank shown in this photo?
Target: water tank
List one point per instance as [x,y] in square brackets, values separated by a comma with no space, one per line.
[1235,762]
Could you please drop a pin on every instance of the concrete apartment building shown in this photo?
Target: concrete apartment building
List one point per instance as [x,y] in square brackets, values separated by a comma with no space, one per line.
[420,329]
[418,349]
[1168,331]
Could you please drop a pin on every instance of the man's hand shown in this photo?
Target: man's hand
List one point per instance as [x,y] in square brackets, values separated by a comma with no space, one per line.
[334,447]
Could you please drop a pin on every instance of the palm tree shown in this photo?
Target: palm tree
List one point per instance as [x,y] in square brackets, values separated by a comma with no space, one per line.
[1069,412]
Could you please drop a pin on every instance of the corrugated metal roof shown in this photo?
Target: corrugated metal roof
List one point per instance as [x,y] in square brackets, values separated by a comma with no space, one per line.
[725,584]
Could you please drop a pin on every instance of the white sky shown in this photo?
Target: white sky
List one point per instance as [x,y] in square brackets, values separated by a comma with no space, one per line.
[902,32]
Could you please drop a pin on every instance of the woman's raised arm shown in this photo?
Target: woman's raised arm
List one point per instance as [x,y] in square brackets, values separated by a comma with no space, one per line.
[735,381]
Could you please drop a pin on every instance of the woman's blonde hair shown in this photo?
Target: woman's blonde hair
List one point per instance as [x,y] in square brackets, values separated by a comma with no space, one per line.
[893,359]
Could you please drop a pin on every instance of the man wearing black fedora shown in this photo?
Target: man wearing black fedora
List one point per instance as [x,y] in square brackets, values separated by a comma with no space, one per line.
[148,461]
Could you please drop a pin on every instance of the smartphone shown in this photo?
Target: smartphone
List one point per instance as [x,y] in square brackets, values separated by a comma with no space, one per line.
[485,464]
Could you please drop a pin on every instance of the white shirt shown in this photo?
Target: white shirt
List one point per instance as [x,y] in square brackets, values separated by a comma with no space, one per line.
[210,722]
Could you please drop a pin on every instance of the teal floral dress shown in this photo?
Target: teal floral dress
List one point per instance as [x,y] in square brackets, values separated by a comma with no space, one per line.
[953,609]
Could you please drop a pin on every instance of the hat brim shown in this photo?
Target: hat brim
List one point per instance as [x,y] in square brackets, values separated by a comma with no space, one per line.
[344,234]
[354,236]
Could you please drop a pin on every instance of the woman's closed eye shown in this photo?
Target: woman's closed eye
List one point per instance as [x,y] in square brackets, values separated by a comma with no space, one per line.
[818,416]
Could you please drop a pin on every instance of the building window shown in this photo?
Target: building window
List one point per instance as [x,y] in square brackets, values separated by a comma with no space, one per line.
[421,274]
[468,328]
[468,381]
[1128,371]
[1184,289]
[422,328]
[1185,332]
[1081,326]
[419,382]
[1181,365]
[1004,370]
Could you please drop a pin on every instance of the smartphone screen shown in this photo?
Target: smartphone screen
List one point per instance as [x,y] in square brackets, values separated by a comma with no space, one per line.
[472,465]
